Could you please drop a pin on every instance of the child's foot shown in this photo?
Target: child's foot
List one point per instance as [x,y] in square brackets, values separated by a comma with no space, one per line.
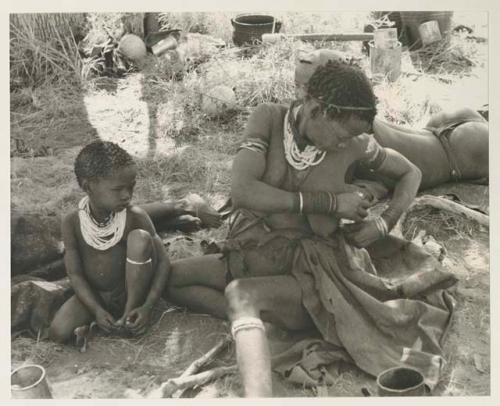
[82,336]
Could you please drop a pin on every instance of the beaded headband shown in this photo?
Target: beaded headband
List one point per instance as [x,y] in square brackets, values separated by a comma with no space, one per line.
[339,107]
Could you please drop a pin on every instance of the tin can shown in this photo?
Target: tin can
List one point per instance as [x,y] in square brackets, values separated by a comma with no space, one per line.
[385,62]
[385,38]
[164,45]
[429,32]
[29,382]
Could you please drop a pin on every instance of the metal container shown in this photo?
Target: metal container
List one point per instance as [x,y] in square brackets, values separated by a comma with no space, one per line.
[385,62]
[385,38]
[413,19]
[29,382]
[164,45]
[248,28]
[401,381]
[429,32]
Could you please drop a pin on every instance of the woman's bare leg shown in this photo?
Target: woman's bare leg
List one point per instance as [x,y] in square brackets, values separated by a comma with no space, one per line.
[198,283]
[272,298]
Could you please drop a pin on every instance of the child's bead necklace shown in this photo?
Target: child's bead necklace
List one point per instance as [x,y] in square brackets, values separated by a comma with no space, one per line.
[300,160]
[101,236]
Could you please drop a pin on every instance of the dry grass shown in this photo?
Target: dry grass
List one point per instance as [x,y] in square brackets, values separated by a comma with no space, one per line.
[47,26]
[457,55]
[28,351]
[441,224]
[34,61]
[215,24]
[103,26]
[193,151]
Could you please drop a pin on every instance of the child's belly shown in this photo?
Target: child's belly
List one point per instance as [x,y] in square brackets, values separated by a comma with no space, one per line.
[105,270]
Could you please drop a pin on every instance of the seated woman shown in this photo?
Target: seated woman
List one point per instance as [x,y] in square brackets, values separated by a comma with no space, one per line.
[453,145]
[286,259]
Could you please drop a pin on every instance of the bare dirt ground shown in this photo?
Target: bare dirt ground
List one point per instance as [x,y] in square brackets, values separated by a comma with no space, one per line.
[118,368]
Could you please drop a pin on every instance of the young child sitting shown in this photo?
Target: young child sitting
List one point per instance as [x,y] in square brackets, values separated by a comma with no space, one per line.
[115,261]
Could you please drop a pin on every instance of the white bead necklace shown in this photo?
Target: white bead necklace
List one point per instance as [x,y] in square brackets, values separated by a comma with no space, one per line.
[300,160]
[101,236]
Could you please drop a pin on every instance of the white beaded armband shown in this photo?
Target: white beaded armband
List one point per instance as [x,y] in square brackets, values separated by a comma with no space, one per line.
[131,261]
[245,323]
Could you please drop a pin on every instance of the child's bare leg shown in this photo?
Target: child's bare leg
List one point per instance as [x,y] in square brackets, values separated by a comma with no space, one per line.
[71,315]
[198,283]
[278,298]
[138,270]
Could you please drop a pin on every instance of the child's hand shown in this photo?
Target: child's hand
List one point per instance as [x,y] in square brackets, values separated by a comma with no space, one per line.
[104,320]
[137,319]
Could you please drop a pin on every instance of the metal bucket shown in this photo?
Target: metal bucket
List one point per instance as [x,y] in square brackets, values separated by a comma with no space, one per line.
[413,19]
[385,38]
[248,28]
[29,382]
[401,381]
[429,32]
[385,62]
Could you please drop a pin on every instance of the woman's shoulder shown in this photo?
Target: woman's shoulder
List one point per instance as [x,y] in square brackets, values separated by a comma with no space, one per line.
[264,121]
[271,110]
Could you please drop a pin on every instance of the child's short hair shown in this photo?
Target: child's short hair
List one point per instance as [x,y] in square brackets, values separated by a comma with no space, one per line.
[100,159]
[338,84]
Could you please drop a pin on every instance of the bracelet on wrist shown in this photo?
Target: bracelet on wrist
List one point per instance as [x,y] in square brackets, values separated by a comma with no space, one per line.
[319,202]
[381,226]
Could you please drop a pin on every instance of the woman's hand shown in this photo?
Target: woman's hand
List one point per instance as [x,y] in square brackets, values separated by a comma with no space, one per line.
[362,234]
[352,206]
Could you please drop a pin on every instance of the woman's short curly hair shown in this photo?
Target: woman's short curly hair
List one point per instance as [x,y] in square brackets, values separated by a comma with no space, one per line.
[342,89]
[99,159]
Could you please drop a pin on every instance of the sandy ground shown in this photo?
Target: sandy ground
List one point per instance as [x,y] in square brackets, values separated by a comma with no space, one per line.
[118,368]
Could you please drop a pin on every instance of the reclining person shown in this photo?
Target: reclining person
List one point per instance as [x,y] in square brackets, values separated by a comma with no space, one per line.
[453,146]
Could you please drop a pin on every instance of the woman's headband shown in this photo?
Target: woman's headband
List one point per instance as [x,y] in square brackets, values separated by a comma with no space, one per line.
[339,107]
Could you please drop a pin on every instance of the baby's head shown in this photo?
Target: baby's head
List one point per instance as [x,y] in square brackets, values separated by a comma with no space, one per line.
[106,172]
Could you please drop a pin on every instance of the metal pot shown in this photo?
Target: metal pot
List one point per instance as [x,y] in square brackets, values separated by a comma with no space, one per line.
[29,382]
[248,28]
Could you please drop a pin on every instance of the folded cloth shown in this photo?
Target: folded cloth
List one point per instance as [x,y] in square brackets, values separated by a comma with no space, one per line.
[380,321]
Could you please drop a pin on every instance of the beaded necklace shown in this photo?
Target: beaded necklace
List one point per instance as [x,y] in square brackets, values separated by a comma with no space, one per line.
[300,160]
[101,236]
